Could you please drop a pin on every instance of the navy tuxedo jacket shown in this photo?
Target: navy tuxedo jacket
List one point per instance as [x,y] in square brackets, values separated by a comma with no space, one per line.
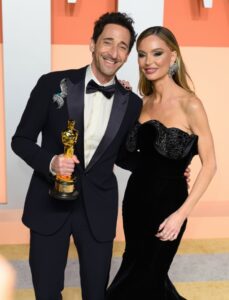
[96,183]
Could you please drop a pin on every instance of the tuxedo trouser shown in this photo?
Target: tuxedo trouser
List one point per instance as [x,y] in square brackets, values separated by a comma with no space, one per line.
[48,259]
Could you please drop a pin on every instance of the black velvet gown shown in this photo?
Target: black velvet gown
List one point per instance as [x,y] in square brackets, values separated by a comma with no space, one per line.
[156,189]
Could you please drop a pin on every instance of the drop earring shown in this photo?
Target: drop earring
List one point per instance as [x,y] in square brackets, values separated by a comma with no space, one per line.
[173,69]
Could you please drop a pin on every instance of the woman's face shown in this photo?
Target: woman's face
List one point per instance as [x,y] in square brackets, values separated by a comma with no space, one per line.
[155,57]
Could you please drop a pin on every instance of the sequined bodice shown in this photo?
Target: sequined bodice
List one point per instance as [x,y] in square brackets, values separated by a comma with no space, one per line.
[161,146]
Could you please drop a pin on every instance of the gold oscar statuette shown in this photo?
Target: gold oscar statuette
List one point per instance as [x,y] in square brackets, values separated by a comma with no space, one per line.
[64,188]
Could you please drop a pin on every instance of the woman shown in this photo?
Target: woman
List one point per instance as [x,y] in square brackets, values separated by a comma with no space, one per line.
[172,128]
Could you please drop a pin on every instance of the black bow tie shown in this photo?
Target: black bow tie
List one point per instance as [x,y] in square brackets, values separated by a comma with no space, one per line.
[108,91]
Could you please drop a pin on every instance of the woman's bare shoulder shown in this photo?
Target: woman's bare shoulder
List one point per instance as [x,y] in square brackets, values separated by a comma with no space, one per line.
[191,103]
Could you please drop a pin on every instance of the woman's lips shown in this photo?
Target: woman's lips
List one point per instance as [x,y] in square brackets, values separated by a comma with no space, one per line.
[150,70]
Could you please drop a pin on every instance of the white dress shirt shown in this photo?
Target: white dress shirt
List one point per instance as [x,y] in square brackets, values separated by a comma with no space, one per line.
[97,110]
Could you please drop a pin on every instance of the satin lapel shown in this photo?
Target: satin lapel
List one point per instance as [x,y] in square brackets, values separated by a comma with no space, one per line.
[75,103]
[117,113]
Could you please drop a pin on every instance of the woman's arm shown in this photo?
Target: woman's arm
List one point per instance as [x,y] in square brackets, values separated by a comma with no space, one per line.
[198,123]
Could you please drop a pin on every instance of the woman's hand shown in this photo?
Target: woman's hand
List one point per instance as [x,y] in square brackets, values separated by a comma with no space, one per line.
[126,84]
[170,227]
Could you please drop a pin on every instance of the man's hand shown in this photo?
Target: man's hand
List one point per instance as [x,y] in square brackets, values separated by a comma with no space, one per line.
[187,175]
[64,166]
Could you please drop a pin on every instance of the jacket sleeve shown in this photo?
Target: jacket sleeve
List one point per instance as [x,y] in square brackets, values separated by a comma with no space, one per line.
[24,141]
[128,157]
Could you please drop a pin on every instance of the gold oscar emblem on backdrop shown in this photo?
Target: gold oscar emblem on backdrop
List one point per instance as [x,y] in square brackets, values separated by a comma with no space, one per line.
[64,188]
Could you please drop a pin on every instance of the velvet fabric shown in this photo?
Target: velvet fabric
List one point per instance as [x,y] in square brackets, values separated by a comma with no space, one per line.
[156,189]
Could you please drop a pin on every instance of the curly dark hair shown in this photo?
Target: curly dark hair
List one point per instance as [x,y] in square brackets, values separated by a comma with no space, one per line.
[118,18]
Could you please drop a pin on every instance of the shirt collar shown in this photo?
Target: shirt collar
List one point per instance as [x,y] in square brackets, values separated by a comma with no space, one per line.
[90,75]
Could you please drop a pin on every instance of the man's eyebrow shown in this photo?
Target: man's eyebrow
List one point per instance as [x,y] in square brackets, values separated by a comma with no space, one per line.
[111,39]
[108,39]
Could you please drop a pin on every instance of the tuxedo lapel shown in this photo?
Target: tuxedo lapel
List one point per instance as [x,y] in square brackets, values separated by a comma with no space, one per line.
[118,110]
[75,103]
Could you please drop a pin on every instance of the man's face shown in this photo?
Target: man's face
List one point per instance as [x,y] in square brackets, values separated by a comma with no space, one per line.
[110,51]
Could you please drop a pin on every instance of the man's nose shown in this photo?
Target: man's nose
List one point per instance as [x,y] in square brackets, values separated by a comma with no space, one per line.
[114,52]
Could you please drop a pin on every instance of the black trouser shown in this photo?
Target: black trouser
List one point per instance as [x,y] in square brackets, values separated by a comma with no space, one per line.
[48,258]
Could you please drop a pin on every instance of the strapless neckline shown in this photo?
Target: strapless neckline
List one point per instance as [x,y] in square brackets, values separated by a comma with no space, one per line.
[166,127]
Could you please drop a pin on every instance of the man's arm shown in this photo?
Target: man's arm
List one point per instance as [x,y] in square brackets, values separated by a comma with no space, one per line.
[24,141]
[128,156]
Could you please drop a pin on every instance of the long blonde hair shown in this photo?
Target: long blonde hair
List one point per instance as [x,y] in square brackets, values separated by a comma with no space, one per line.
[145,86]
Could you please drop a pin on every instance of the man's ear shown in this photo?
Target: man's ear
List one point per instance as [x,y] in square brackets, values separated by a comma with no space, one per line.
[92,46]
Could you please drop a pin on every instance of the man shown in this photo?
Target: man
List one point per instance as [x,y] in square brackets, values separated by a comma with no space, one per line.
[103,122]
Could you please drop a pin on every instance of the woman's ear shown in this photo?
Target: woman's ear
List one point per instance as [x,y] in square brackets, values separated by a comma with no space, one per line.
[173,58]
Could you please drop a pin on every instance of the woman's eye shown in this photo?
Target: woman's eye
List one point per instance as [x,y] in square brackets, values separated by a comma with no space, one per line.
[158,53]
[141,55]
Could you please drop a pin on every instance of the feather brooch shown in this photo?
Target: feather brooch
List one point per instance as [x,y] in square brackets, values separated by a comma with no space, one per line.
[59,97]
